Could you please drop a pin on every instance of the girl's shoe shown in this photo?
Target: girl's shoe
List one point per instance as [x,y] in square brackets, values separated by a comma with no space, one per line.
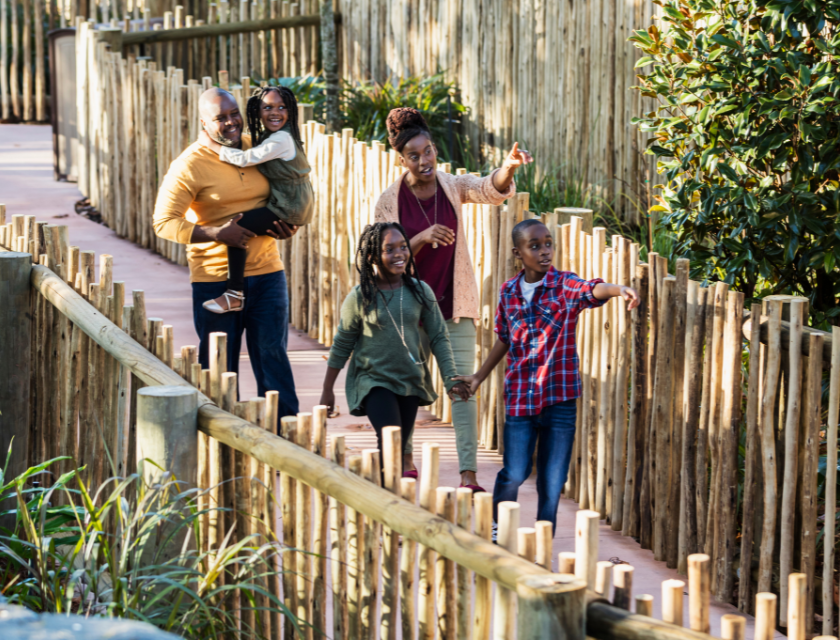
[215,307]
[411,474]
[494,534]
[474,488]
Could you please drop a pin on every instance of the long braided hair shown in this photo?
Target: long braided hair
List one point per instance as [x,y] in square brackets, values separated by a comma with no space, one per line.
[252,111]
[369,254]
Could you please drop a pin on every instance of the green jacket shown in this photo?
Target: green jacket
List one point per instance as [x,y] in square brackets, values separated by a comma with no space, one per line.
[292,198]
[379,358]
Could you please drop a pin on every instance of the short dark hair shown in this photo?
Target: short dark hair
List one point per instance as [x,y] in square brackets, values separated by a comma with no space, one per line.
[519,229]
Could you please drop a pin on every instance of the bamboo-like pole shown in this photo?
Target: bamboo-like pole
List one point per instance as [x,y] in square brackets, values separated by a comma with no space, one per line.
[408,563]
[428,485]
[797,622]
[768,447]
[551,607]
[699,587]
[733,627]
[603,577]
[526,543]
[392,472]
[566,562]
[338,548]
[321,522]
[663,401]
[257,516]
[765,616]
[371,470]
[464,499]
[672,601]
[798,309]
[831,485]
[812,414]
[586,545]
[622,586]
[504,618]
[303,530]
[445,572]
[638,399]
[751,453]
[644,605]
[545,538]
[605,330]
[288,430]
[621,444]
[483,587]
[355,557]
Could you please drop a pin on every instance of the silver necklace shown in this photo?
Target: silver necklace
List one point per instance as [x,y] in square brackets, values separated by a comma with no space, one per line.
[401,328]
[434,244]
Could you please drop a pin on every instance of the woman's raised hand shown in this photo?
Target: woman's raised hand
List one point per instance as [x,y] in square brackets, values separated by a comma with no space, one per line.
[518,157]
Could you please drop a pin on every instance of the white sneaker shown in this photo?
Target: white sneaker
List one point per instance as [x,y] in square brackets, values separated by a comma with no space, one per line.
[494,533]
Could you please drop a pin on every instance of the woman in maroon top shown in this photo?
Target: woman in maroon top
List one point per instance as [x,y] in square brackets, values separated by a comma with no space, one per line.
[428,205]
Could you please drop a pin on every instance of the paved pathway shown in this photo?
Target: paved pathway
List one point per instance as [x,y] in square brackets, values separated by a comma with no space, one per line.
[27,186]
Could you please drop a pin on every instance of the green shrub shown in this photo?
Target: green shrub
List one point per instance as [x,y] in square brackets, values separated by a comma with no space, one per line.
[746,138]
[84,556]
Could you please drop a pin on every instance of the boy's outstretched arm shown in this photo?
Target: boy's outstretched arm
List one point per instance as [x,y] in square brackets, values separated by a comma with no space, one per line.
[495,356]
[605,291]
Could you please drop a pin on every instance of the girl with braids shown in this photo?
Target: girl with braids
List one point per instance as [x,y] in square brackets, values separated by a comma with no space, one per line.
[379,332]
[272,115]
[428,204]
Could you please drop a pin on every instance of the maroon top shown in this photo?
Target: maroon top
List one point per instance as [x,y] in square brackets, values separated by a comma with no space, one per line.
[436,267]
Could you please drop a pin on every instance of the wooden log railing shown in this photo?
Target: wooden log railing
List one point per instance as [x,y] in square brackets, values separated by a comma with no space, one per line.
[548,603]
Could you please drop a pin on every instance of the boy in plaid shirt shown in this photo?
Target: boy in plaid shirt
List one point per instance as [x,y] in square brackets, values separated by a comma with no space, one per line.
[535,325]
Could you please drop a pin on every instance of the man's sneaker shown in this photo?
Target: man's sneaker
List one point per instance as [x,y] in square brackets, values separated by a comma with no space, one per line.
[494,533]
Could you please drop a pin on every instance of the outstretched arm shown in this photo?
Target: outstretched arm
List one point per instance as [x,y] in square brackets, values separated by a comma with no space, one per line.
[605,291]
[515,159]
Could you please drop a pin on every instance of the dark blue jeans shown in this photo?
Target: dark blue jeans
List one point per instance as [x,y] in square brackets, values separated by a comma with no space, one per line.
[265,321]
[555,426]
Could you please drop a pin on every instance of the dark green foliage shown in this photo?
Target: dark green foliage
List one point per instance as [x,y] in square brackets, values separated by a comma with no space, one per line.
[746,137]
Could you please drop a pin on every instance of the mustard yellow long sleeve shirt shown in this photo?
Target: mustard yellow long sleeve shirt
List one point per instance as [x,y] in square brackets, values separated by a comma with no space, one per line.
[200,189]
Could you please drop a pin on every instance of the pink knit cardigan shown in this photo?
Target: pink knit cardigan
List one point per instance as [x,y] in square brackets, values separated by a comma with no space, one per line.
[459,189]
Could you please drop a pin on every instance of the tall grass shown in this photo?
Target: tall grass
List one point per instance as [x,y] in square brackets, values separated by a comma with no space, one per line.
[127,550]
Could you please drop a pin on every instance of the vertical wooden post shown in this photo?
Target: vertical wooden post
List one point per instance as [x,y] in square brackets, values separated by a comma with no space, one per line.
[699,585]
[483,586]
[445,572]
[831,485]
[167,424]
[797,623]
[586,546]
[566,562]
[644,605]
[545,538]
[733,627]
[503,611]
[603,578]
[798,309]
[551,606]
[464,498]
[303,533]
[408,562]
[392,472]
[623,583]
[672,601]
[428,484]
[15,359]
[329,60]
[765,616]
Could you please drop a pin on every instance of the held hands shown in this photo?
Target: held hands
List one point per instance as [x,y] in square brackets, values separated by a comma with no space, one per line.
[460,390]
[632,297]
[472,382]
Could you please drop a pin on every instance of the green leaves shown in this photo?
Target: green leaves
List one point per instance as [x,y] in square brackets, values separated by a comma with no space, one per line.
[747,143]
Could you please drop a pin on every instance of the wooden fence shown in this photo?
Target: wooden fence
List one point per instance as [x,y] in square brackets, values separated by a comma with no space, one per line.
[345,543]
[554,76]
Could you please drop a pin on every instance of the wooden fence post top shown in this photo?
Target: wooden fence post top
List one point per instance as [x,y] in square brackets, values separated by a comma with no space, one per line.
[167,391]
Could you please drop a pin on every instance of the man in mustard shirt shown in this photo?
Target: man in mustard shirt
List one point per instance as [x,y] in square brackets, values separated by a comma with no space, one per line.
[198,205]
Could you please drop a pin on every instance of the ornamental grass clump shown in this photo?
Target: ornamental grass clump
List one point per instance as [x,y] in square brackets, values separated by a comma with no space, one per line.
[745,131]
[128,550]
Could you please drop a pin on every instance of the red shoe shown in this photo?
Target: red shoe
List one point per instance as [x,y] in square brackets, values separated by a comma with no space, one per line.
[411,474]
[474,487]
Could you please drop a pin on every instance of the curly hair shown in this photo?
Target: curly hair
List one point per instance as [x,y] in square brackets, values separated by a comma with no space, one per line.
[252,111]
[369,254]
[403,124]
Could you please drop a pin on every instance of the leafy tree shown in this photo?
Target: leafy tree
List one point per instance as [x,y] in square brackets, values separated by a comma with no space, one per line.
[746,135]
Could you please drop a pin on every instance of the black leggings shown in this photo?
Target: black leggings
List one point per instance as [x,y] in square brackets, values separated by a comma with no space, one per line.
[386,409]
[258,221]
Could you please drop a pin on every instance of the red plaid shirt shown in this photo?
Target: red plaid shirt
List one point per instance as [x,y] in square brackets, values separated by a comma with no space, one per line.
[543,367]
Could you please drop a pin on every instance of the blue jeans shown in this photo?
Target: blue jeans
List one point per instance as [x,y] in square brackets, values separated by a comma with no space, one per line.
[265,320]
[555,426]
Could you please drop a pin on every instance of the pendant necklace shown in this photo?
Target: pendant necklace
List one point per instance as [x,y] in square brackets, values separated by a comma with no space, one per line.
[434,244]
[401,328]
